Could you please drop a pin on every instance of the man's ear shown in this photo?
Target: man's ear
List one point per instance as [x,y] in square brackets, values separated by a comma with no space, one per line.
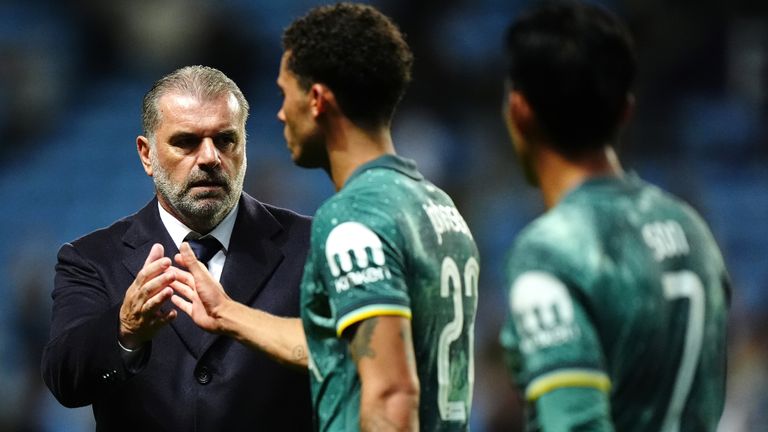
[142,147]
[321,99]
[519,113]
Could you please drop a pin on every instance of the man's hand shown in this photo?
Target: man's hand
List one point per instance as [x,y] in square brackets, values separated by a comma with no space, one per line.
[140,315]
[204,300]
[204,296]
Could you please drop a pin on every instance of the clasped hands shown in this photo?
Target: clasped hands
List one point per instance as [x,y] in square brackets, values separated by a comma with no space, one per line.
[195,292]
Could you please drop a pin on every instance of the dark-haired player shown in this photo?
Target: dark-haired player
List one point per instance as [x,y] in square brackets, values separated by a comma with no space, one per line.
[390,285]
[618,294]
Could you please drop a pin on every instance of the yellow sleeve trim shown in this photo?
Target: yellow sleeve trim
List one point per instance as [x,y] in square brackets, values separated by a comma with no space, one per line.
[369,311]
[567,378]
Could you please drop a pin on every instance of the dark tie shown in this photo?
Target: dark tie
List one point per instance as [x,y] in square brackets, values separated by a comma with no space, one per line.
[204,247]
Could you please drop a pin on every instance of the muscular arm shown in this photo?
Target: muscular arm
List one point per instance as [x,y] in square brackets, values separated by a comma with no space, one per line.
[205,301]
[382,349]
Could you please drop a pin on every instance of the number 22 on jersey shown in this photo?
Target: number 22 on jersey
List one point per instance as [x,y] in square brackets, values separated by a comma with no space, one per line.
[454,286]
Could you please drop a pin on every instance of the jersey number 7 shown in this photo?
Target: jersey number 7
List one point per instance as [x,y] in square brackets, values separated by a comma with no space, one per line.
[685,285]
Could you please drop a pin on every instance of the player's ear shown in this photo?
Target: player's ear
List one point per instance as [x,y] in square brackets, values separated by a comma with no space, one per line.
[142,147]
[321,99]
[520,114]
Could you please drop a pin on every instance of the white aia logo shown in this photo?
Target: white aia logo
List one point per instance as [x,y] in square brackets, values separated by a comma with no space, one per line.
[353,240]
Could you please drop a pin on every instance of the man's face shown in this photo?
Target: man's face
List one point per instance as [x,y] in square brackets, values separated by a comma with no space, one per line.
[197,158]
[302,134]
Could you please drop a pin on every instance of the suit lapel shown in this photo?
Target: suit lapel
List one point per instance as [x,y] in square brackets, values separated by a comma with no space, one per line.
[146,230]
[252,255]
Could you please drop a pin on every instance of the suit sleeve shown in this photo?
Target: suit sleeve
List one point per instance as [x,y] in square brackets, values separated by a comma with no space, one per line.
[82,358]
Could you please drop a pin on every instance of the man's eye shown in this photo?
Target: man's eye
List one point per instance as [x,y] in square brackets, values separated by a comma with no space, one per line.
[185,142]
[225,140]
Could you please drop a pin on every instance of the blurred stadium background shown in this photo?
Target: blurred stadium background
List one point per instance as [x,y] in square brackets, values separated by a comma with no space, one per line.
[73,72]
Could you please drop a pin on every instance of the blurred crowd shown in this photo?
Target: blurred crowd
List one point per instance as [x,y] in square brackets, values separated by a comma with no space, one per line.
[73,73]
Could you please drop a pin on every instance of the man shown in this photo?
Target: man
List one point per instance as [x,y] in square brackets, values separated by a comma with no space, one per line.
[618,293]
[390,286]
[110,345]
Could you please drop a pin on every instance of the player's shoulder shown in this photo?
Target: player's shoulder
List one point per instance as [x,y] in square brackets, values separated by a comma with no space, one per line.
[364,197]
[562,227]
[563,241]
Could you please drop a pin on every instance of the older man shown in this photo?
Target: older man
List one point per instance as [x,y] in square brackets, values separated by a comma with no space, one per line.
[111,344]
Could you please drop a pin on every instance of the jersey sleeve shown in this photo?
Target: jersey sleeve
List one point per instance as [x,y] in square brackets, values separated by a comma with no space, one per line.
[577,409]
[361,263]
[549,338]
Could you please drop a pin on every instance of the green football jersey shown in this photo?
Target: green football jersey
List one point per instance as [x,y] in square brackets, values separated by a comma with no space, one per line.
[391,243]
[620,288]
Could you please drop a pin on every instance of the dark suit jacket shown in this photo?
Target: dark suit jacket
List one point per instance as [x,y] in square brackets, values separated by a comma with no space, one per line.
[187,379]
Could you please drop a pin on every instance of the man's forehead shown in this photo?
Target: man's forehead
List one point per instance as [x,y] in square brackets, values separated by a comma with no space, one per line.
[186,100]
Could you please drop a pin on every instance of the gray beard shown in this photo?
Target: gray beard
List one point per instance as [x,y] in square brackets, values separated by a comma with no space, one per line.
[199,211]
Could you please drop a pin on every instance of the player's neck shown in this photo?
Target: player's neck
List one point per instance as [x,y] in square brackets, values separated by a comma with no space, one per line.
[558,175]
[350,146]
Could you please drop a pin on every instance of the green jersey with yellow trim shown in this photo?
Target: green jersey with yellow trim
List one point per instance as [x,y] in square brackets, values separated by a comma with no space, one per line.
[620,292]
[391,243]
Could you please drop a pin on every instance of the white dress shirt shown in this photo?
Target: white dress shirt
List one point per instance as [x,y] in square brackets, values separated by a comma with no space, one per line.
[222,232]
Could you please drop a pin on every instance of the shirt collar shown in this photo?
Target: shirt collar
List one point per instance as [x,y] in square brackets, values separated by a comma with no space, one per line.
[389,161]
[178,231]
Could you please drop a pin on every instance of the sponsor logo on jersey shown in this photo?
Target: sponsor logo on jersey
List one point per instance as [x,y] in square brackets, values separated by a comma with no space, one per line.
[445,219]
[355,256]
[543,311]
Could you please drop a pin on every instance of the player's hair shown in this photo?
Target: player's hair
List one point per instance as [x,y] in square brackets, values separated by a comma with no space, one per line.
[575,64]
[203,82]
[358,52]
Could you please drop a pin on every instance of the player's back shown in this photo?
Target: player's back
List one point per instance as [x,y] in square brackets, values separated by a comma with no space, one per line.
[442,281]
[413,256]
[441,269]
[650,279]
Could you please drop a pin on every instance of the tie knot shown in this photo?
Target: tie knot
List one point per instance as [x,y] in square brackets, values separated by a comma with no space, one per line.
[204,247]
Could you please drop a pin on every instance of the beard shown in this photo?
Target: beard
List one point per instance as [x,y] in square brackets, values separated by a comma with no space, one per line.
[200,211]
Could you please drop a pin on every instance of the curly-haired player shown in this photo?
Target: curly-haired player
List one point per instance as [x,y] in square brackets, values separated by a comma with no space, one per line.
[390,285]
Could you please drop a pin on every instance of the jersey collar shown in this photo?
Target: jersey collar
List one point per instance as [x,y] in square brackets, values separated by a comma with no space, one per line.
[402,165]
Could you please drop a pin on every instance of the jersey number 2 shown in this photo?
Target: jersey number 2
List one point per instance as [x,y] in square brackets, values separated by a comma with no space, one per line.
[685,285]
[450,276]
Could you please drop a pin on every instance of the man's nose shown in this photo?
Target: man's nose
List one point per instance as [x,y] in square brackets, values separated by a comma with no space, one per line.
[208,154]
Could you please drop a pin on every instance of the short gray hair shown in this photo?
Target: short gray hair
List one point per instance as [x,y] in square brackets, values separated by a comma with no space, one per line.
[203,82]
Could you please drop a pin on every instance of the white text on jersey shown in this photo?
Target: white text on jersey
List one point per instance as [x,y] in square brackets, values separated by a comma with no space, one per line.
[445,219]
[667,239]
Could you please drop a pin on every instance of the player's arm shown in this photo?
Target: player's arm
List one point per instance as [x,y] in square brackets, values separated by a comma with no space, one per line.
[204,300]
[568,387]
[382,349]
